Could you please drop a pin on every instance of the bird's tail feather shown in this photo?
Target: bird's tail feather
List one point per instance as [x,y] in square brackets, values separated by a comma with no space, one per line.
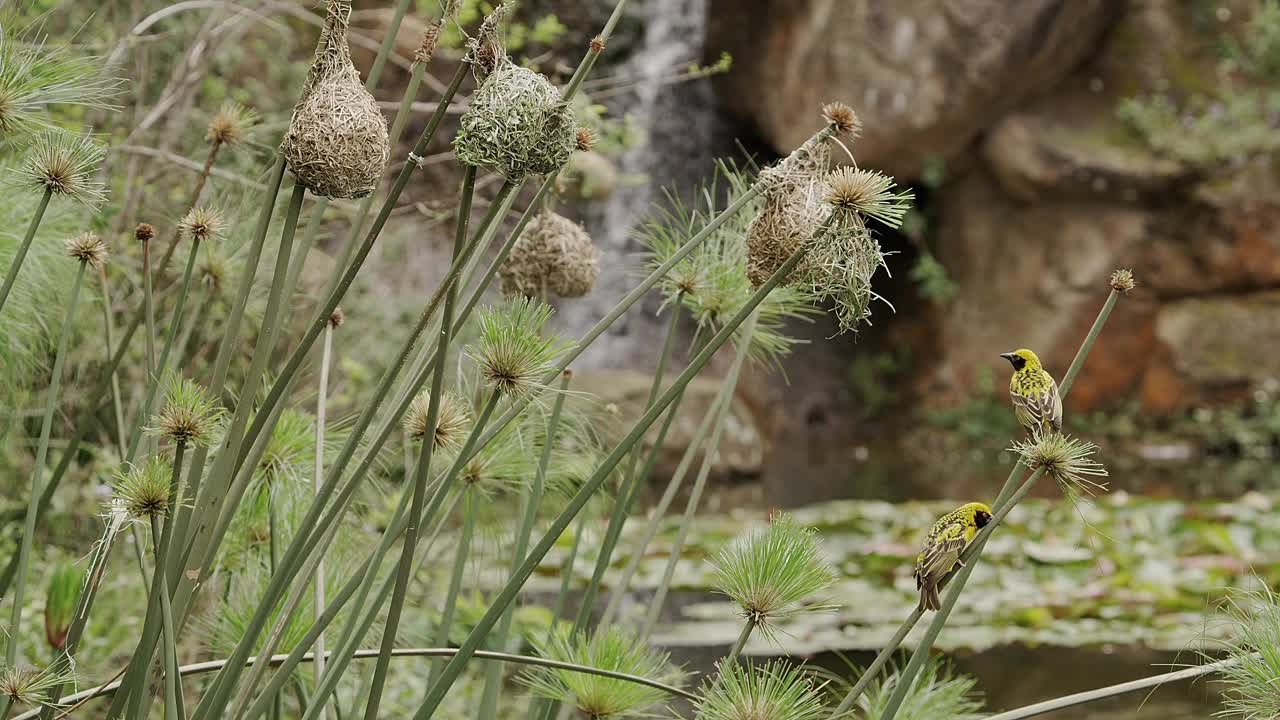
[929,599]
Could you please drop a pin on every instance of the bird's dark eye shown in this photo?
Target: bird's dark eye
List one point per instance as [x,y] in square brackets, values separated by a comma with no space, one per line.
[981,518]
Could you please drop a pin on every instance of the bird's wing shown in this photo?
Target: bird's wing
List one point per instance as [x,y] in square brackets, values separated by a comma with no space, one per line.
[1053,409]
[1035,409]
[941,555]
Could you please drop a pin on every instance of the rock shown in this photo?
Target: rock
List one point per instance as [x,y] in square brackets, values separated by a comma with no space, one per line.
[740,450]
[1035,276]
[1043,155]
[925,76]
[1210,349]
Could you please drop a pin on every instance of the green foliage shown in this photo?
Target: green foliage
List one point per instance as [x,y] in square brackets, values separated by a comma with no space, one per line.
[610,648]
[873,376]
[774,573]
[981,419]
[1237,120]
[931,279]
[776,690]
[1254,619]
[934,693]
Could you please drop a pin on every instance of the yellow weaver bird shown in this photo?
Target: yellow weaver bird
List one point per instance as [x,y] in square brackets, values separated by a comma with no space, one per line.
[941,554]
[1036,402]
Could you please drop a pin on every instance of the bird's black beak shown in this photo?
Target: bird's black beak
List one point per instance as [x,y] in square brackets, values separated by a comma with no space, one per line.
[1010,357]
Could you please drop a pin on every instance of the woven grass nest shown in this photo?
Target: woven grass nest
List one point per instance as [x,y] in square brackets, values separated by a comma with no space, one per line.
[791,206]
[517,124]
[840,261]
[336,145]
[553,254]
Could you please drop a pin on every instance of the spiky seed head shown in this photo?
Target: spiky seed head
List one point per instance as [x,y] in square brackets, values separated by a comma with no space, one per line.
[36,74]
[868,192]
[585,138]
[430,40]
[842,118]
[64,164]
[88,248]
[512,352]
[610,648]
[144,232]
[31,686]
[203,223]
[598,44]
[776,690]
[451,422]
[1069,461]
[60,603]
[1122,281]
[1253,622]
[774,573]
[336,318]
[231,124]
[143,490]
[189,415]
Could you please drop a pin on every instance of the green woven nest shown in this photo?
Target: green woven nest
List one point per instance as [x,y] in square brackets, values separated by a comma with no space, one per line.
[791,207]
[337,144]
[554,254]
[517,124]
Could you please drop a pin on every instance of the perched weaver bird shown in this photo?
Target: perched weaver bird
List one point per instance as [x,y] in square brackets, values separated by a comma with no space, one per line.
[1036,403]
[942,548]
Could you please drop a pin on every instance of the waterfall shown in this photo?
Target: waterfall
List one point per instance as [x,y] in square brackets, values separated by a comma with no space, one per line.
[680,124]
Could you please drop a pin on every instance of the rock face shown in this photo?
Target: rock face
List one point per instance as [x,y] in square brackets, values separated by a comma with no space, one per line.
[925,76]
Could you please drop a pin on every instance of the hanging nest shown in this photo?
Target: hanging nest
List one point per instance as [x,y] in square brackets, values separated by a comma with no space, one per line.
[337,143]
[517,124]
[553,254]
[791,207]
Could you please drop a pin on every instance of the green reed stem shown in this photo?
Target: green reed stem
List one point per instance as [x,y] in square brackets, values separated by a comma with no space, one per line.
[261,356]
[213,665]
[16,264]
[299,545]
[156,371]
[732,658]
[148,308]
[201,180]
[84,604]
[723,406]
[423,471]
[227,349]
[108,327]
[544,707]
[1003,506]
[1106,693]
[37,470]
[441,635]
[451,672]
[318,599]
[629,490]
[533,498]
[218,480]
[664,503]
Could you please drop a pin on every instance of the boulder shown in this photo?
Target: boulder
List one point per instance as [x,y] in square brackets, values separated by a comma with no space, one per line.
[1209,349]
[927,77]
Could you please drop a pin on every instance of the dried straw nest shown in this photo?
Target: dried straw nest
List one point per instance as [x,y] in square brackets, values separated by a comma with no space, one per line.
[553,254]
[791,206]
[337,143]
[517,124]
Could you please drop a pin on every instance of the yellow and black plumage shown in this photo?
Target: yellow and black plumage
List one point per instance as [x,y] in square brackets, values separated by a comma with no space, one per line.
[1034,392]
[941,553]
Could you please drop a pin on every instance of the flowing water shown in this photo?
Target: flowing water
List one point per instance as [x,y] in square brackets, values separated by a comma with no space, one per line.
[681,128]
